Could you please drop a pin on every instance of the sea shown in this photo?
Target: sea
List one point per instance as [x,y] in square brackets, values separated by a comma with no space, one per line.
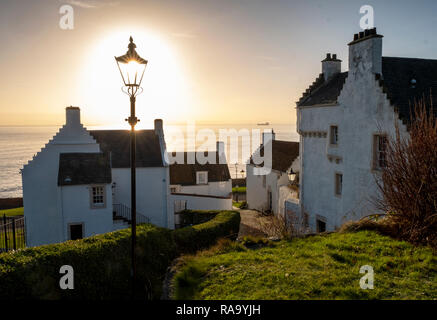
[19,144]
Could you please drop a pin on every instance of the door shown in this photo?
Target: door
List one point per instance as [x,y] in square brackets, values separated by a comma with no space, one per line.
[76,231]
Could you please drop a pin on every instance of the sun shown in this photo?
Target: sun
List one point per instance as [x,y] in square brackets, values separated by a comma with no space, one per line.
[166,90]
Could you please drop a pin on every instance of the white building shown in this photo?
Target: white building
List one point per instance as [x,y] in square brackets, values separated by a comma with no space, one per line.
[263,192]
[78,185]
[197,186]
[344,119]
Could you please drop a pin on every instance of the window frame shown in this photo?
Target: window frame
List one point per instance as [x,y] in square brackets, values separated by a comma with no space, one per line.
[331,135]
[376,152]
[198,174]
[337,184]
[98,205]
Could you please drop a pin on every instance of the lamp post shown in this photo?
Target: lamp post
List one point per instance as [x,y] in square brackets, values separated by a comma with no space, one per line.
[132,68]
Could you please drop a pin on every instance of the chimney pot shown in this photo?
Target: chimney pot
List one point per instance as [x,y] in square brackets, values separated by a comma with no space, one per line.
[330,66]
[355,36]
[361,35]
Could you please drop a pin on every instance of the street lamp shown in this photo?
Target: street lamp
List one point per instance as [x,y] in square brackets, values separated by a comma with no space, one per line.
[132,68]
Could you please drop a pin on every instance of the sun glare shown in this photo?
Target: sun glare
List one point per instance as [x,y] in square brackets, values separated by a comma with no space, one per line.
[166,92]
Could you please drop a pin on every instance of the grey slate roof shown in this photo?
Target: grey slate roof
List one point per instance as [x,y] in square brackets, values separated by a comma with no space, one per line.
[396,82]
[117,143]
[83,168]
[185,174]
[322,92]
[397,74]
[283,154]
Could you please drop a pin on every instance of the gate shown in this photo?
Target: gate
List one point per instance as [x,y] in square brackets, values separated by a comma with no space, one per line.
[12,233]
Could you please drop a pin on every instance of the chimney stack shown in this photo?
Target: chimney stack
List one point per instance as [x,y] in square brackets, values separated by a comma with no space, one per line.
[158,126]
[72,116]
[267,136]
[220,148]
[365,53]
[330,66]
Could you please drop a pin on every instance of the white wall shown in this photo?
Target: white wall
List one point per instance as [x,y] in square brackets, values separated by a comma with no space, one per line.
[218,189]
[152,193]
[257,194]
[41,195]
[202,203]
[76,208]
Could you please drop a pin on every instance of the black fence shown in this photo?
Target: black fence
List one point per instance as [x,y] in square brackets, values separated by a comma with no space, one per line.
[12,233]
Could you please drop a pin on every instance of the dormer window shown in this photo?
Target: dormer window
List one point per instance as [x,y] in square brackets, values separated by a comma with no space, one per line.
[202,177]
[413,83]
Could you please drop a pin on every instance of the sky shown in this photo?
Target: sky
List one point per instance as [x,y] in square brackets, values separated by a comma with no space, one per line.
[210,61]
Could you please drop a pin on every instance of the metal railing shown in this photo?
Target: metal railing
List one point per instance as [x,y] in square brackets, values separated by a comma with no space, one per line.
[12,233]
[123,212]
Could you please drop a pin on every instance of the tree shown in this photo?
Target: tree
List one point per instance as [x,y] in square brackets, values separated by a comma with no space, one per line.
[408,182]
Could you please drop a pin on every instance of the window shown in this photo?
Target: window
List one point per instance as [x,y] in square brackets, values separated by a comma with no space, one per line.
[202,177]
[173,189]
[98,197]
[76,231]
[333,135]
[379,151]
[338,184]
[321,226]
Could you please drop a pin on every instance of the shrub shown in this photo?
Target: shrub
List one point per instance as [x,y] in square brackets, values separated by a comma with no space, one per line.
[383,226]
[191,239]
[101,267]
[408,184]
[193,217]
[102,263]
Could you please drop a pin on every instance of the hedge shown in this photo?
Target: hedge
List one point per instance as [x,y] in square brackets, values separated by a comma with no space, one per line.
[193,217]
[191,239]
[102,263]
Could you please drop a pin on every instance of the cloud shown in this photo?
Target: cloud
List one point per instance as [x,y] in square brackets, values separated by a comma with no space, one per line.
[90,4]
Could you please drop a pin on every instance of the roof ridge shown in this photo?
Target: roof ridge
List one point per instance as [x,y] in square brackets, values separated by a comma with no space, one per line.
[408,58]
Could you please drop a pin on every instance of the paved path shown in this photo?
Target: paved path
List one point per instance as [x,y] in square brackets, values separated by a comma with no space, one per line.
[251,223]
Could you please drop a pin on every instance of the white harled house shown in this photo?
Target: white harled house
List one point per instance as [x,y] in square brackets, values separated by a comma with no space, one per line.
[78,185]
[344,119]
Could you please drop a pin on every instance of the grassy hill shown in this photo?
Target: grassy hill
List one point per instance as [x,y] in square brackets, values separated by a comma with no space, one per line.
[319,267]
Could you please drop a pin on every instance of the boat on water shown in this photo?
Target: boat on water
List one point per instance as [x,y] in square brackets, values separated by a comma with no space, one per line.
[263,123]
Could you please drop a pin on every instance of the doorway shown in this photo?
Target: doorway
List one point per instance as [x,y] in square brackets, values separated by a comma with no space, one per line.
[76,231]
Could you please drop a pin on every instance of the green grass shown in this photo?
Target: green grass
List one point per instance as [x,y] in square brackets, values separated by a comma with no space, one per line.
[239,204]
[12,212]
[239,190]
[319,267]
